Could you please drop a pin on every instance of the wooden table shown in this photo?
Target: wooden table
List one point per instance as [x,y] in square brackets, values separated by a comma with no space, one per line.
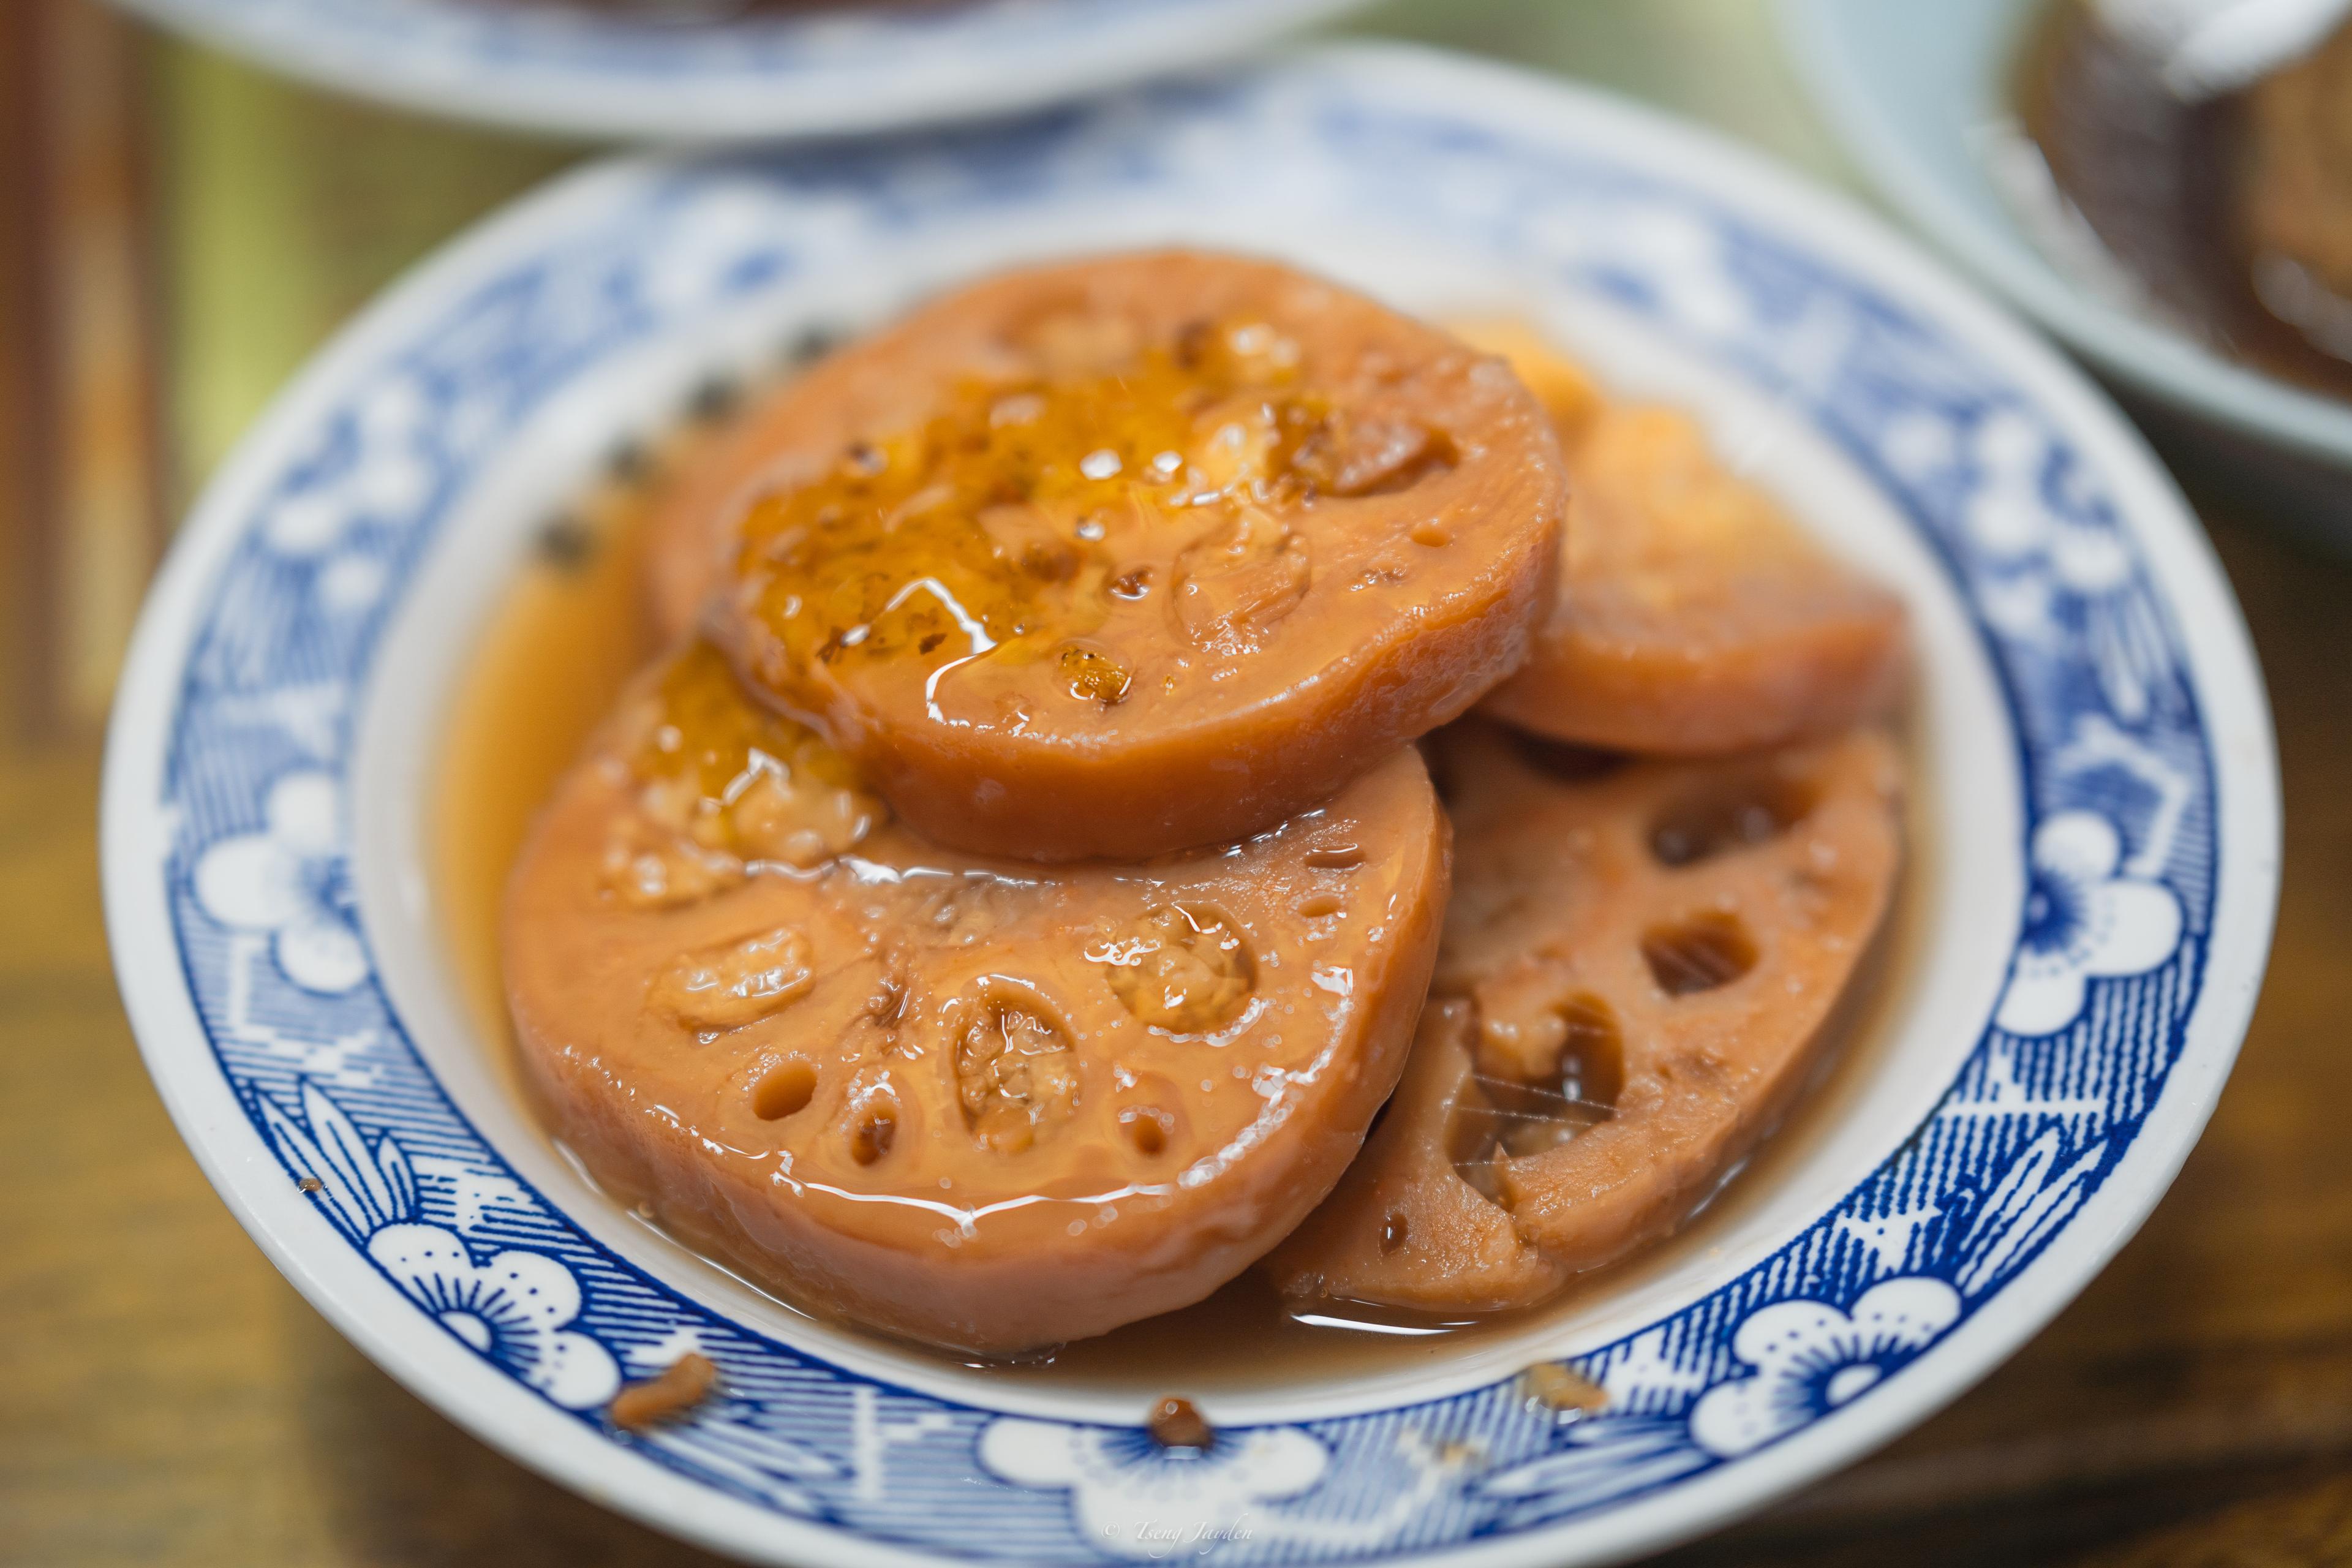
[172,1402]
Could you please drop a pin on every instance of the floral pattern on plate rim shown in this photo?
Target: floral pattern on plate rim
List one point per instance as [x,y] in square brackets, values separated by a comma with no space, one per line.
[2117,773]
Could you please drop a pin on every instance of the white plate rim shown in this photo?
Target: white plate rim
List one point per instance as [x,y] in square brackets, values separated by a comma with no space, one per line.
[434,1366]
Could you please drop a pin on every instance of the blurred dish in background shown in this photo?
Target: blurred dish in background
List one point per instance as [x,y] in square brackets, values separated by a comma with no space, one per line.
[699,70]
[2228,214]
[2182,220]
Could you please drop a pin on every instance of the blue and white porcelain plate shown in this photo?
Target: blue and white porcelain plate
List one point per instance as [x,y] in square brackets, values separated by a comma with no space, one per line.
[669,70]
[2095,838]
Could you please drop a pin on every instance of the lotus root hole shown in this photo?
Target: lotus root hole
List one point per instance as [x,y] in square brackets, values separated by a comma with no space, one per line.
[784,1090]
[1473,1140]
[1147,1127]
[1016,1077]
[1509,1117]
[1182,967]
[1700,952]
[877,1130]
[1564,760]
[1739,815]
[1591,1058]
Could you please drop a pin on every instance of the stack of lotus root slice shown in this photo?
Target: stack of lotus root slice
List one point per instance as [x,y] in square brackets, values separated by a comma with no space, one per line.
[1136,727]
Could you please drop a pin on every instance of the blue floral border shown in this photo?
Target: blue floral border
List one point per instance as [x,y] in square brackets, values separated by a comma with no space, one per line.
[2111,750]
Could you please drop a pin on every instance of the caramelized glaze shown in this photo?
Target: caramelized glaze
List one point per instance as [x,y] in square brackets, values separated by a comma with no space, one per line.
[1125,556]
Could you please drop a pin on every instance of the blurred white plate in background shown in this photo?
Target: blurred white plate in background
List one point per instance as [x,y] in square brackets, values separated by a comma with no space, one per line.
[729,69]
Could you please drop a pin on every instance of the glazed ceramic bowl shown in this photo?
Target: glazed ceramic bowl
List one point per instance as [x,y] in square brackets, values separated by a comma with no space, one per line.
[2095,839]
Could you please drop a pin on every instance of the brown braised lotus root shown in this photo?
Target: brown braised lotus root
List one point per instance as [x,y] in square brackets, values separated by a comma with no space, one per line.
[982,1103]
[1405,1229]
[1693,616]
[1129,555]
[1636,966]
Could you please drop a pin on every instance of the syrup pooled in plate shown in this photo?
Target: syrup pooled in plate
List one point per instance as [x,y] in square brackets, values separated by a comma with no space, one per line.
[1125,556]
[570,632]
